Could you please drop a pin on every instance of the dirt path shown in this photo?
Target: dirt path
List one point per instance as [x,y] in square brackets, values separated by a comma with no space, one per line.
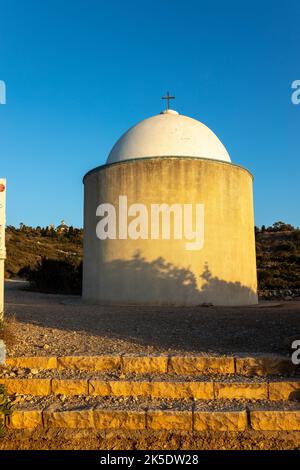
[96,440]
[45,324]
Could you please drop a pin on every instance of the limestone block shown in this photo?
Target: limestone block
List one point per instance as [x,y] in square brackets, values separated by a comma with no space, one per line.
[69,419]
[41,363]
[170,389]
[94,363]
[70,386]
[169,420]
[268,365]
[126,388]
[130,388]
[251,391]
[38,387]
[284,390]
[25,419]
[220,420]
[115,419]
[182,365]
[144,364]
[275,420]
[100,388]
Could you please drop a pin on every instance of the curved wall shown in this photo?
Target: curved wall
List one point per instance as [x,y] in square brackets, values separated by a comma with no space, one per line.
[163,271]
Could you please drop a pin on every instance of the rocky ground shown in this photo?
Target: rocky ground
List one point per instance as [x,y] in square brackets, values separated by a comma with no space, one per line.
[280,294]
[87,439]
[45,324]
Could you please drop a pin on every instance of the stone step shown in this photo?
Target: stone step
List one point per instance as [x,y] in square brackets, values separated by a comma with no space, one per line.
[205,388]
[146,415]
[162,364]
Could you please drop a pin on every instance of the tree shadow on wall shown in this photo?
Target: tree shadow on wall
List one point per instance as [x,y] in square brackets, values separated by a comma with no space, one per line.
[141,281]
[231,292]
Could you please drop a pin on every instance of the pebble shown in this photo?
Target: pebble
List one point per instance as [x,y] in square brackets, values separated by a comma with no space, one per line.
[17,399]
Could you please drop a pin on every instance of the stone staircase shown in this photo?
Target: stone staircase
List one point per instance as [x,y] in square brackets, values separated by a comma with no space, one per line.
[163,392]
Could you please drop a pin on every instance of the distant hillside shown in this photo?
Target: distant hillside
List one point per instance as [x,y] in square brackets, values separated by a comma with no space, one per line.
[278,254]
[278,257]
[27,246]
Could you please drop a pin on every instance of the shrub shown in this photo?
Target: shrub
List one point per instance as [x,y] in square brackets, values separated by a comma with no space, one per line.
[52,275]
[6,408]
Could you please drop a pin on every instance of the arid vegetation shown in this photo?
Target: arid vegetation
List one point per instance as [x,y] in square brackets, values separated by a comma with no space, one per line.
[52,260]
[278,259]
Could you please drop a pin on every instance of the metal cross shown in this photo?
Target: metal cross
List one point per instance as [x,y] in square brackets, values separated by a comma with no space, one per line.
[168,98]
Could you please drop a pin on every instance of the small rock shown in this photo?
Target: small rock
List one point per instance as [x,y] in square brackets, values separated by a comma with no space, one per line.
[46,346]
[17,399]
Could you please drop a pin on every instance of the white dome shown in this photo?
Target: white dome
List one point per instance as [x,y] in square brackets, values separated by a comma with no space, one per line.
[168,134]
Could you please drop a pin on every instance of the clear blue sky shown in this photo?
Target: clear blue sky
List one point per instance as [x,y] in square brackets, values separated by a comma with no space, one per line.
[79,73]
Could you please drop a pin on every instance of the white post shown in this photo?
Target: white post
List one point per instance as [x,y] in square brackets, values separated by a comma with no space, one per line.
[2,243]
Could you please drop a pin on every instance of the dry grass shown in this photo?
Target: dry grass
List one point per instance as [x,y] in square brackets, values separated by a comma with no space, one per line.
[7,331]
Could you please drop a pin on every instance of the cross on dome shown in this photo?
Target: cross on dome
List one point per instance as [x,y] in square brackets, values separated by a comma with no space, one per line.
[168,98]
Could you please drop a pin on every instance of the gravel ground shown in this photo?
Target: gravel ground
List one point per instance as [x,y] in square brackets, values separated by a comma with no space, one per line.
[146,440]
[63,403]
[45,324]
[15,373]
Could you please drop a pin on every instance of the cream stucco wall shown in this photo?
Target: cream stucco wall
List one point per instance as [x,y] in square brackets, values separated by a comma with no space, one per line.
[149,271]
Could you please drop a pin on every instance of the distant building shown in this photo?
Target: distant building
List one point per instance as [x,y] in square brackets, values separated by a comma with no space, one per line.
[62,227]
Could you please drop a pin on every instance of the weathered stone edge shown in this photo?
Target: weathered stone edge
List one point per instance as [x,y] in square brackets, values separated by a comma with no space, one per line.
[258,420]
[170,364]
[204,390]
